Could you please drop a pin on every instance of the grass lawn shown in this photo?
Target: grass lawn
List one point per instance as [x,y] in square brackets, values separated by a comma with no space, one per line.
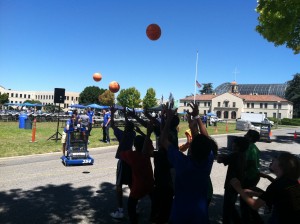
[17,142]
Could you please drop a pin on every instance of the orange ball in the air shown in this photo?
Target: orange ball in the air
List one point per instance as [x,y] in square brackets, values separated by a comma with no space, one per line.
[114,86]
[97,77]
[153,32]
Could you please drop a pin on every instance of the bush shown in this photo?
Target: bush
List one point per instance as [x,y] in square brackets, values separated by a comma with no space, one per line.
[287,121]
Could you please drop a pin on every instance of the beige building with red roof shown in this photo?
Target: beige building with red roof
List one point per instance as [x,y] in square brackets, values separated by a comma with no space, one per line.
[230,105]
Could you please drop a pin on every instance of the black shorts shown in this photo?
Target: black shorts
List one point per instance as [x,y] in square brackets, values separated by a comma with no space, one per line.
[124,174]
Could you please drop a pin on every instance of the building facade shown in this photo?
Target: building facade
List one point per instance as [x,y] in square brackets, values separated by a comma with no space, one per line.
[231,104]
[45,97]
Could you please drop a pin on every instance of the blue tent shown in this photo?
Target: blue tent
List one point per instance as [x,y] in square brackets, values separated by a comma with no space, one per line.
[211,114]
[96,106]
[79,106]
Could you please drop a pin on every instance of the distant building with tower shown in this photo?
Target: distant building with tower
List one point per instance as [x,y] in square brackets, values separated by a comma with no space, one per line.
[231,99]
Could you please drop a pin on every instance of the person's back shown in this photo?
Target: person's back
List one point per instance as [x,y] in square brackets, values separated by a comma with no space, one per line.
[191,183]
[236,169]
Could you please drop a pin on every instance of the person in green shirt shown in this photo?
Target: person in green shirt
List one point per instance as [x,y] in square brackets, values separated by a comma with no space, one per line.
[252,176]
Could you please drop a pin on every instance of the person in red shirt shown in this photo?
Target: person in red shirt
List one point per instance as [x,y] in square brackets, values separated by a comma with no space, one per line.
[142,173]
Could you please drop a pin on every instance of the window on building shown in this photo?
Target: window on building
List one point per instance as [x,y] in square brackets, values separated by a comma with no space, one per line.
[226,114]
[266,105]
[248,105]
[274,105]
[233,104]
[274,115]
[28,96]
[16,94]
[184,103]
[208,104]
[204,112]
[205,104]
[279,115]
[67,97]
[279,106]
[11,95]
[21,95]
[24,95]
[219,104]
[72,98]
[252,105]
[261,105]
[226,103]
[233,115]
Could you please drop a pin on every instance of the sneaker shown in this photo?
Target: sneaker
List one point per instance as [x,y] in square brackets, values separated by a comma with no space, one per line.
[117,215]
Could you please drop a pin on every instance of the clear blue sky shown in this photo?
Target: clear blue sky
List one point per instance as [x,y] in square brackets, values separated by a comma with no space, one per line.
[61,43]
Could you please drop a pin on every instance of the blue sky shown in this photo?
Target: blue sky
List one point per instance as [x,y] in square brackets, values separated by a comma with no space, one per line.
[61,43]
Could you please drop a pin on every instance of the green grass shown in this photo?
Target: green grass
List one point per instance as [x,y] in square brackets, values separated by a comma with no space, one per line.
[17,142]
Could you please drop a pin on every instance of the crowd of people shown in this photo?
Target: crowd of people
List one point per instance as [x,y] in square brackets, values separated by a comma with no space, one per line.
[178,181]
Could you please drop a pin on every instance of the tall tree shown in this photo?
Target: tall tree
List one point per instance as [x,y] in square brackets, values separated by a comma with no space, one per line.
[90,95]
[292,93]
[279,22]
[130,97]
[107,98]
[149,99]
[4,98]
[207,88]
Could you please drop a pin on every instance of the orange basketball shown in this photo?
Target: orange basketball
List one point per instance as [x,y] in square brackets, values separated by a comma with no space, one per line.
[153,32]
[97,77]
[114,86]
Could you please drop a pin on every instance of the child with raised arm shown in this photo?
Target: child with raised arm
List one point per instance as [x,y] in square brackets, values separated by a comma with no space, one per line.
[283,194]
[192,173]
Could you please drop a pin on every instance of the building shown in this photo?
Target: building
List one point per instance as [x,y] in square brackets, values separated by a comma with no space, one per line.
[231,104]
[45,97]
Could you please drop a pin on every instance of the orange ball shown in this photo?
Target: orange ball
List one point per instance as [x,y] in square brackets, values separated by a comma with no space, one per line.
[97,77]
[153,32]
[114,86]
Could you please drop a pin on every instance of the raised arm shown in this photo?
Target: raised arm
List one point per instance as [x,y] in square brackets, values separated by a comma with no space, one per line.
[196,117]
[132,114]
[112,117]
[148,146]
[165,131]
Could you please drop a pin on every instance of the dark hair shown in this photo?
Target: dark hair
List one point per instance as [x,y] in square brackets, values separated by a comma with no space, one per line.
[290,165]
[253,135]
[139,142]
[242,143]
[201,147]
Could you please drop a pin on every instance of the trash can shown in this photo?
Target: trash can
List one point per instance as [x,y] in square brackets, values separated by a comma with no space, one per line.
[22,118]
[28,124]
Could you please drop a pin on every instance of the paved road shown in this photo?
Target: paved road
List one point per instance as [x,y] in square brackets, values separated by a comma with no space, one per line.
[39,189]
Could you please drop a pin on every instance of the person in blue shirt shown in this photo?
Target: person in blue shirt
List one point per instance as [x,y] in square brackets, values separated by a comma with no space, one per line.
[70,124]
[106,126]
[190,203]
[91,114]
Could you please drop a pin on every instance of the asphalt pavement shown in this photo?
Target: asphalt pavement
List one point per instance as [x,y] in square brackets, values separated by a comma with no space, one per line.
[40,189]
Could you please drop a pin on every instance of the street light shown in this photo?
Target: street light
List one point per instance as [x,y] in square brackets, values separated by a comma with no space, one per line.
[277,114]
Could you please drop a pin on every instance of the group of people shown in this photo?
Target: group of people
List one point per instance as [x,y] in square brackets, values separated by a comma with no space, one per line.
[178,181]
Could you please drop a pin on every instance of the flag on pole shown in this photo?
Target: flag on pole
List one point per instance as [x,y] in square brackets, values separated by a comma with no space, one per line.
[198,84]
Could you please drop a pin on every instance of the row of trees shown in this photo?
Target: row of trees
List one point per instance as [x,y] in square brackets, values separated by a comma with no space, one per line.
[130,97]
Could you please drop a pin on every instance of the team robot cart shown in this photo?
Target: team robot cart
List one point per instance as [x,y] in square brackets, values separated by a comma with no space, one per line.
[76,148]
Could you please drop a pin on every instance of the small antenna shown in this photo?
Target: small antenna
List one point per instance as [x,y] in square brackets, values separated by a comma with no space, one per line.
[235,72]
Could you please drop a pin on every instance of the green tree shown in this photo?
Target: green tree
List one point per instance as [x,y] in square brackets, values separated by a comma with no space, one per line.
[149,99]
[207,88]
[129,98]
[107,98]
[279,22]
[3,98]
[292,94]
[90,95]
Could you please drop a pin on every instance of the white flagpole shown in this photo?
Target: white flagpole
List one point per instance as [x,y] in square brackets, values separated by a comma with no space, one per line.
[196,77]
